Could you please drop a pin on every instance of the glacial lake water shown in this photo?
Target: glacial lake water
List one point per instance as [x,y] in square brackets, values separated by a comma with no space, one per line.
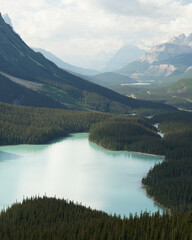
[75,169]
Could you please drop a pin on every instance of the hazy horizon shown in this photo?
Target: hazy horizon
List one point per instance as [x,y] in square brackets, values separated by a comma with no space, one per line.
[88,33]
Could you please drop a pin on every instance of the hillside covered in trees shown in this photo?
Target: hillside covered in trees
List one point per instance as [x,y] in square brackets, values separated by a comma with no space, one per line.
[171,181]
[49,218]
[30,125]
[128,134]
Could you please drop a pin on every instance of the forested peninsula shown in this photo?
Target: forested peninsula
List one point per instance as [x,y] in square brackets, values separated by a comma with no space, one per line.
[170,182]
[127,134]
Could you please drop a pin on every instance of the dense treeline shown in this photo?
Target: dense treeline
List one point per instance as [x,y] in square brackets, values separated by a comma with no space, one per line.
[31,125]
[49,218]
[171,182]
[123,133]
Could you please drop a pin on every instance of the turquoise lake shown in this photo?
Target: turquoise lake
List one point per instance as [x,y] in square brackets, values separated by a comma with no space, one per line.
[75,169]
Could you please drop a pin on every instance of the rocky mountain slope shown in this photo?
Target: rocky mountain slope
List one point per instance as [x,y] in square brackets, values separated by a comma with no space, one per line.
[167,61]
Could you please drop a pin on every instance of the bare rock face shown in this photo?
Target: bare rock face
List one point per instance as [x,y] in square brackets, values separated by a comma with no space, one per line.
[164,63]
[176,46]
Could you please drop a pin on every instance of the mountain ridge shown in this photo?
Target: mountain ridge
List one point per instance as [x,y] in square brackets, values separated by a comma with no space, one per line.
[164,63]
[64,65]
[20,61]
[50,56]
[178,45]
[126,54]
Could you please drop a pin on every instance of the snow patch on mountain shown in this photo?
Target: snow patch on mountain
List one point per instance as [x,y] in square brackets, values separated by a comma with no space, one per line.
[7,19]
[182,39]
[178,39]
[188,69]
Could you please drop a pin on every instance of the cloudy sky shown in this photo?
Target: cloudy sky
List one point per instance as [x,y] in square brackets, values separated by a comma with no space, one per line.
[86,32]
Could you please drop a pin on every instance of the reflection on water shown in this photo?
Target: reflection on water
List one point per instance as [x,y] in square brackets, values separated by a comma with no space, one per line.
[75,169]
[4,156]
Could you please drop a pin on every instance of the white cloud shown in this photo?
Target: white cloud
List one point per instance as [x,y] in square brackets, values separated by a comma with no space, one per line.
[87,29]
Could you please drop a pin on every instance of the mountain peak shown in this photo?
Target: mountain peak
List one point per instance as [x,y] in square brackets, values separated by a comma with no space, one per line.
[1,18]
[7,19]
[180,39]
[189,39]
[178,45]
[125,55]
[3,21]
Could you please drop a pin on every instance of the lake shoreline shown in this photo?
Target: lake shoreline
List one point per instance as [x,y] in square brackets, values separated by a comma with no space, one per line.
[45,143]
[59,138]
[149,154]
[142,185]
[108,170]
[145,187]
[86,133]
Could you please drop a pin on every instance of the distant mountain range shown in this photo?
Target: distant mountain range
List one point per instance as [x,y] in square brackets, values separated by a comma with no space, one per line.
[66,66]
[182,39]
[163,64]
[122,57]
[28,78]
[176,46]
[158,75]
[106,79]
[168,81]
